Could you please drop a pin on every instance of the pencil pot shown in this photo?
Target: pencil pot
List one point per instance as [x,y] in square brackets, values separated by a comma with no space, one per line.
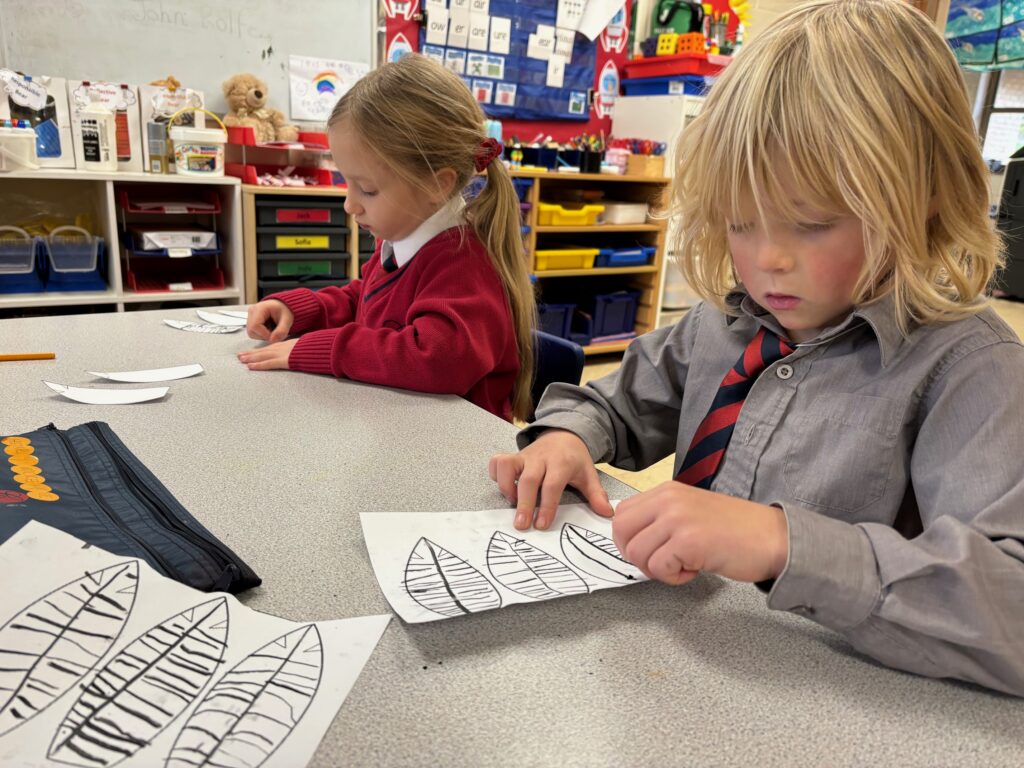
[590,162]
[20,265]
[198,151]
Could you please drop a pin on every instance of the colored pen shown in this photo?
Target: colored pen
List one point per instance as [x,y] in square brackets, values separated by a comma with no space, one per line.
[28,356]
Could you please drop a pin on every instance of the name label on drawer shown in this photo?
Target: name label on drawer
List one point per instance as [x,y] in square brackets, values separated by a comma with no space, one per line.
[299,215]
[303,241]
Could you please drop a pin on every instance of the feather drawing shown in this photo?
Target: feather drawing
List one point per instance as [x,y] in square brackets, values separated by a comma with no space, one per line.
[144,688]
[521,567]
[446,584]
[58,639]
[253,708]
[597,555]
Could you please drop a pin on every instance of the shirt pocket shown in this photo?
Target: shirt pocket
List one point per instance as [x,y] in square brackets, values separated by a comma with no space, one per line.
[844,453]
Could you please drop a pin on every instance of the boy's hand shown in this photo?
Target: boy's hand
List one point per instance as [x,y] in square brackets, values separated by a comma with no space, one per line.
[261,315]
[269,357]
[555,459]
[675,531]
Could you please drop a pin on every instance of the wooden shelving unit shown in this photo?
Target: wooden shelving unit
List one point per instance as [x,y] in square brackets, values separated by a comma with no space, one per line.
[553,187]
[64,194]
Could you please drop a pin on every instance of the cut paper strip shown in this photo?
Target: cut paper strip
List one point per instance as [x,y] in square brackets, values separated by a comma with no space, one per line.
[220,318]
[185,325]
[154,374]
[242,313]
[433,566]
[99,396]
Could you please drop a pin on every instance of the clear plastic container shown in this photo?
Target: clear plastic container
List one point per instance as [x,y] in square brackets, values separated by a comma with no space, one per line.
[72,249]
[17,251]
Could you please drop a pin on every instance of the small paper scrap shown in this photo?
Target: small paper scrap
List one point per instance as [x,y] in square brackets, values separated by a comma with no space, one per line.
[185,325]
[242,313]
[98,396]
[154,374]
[218,318]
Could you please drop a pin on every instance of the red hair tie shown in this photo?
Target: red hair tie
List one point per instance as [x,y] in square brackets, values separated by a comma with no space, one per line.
[489,149]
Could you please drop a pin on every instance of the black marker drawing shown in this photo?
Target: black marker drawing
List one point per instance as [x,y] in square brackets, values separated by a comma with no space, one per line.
[58,639]
[521,567]
[446,584]
[596,555]
[144,688]
[253,708]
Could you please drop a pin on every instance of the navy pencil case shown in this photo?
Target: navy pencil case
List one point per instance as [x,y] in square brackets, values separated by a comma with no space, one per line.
[85,482]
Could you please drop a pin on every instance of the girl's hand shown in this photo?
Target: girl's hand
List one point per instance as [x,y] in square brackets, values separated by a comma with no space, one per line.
[555,459]
[675,531]
[269,357]
[268,312]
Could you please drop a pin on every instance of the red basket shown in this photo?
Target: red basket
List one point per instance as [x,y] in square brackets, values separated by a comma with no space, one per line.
[681,64]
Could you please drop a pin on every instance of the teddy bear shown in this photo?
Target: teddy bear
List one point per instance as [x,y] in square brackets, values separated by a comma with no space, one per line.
[246,96]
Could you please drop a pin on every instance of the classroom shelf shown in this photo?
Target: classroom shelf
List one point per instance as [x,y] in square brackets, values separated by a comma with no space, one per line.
[603,228]
[67,193]
[646,279]
[651,268]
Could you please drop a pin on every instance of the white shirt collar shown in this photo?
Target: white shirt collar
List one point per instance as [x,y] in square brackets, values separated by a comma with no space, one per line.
[447,216]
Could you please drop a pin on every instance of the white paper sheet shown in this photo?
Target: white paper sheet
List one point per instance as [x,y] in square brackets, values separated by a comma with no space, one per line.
[437,26]
[154,374]
[87,638]
[569,13]
[316,84]
[458,27]
[221,318]
[433,566]
[242,313]
[501,34]
[101,396]
[596,16]
[556,71]
[479,31]
[185,325]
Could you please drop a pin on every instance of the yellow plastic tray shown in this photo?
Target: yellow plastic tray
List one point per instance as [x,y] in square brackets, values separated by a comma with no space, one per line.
[555,215]
[566,258]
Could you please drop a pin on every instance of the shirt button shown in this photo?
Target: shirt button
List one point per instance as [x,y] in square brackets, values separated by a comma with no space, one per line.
[784,371]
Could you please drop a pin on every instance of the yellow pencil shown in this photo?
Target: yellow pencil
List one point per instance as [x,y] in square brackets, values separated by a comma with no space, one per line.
[28,356]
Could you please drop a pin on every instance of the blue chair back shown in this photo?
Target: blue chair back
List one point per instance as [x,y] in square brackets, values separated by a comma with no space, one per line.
[557,359]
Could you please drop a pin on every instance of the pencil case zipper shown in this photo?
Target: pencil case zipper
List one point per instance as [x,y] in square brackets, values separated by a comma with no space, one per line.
[223,563]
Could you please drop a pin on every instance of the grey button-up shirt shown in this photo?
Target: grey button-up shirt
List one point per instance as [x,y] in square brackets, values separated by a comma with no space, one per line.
[899,462]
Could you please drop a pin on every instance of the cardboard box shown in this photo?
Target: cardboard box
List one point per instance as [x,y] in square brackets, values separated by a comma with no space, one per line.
[645,165]
[156,105]
[123,101]
[43,102]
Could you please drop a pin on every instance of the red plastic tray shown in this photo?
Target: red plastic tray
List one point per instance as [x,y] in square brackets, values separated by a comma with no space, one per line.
[175,201]
[249,174]
[681,64]
[154,275]
[246,136]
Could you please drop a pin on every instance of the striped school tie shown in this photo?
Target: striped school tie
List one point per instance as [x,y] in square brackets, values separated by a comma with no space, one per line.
[390,264]
[707,449]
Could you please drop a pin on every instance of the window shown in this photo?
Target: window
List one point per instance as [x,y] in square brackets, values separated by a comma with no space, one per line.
[1002,121]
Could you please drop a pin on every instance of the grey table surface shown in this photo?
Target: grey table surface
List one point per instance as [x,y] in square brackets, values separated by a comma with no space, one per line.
[279,465]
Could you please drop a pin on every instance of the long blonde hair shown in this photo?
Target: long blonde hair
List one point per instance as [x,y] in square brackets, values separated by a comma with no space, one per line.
[862,102]
[420,118]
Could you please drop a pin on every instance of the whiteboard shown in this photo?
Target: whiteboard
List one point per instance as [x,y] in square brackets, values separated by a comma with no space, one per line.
[200,42]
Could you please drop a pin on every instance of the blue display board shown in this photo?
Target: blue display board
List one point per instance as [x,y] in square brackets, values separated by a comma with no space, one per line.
[514,85]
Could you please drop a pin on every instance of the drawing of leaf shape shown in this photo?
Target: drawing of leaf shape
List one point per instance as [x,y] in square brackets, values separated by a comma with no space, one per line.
[446,584]
[518,565]
[144,688]
[56,640]
[597,555]
[253,708]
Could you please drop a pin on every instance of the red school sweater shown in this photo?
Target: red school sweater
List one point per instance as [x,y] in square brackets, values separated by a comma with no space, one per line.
[441,323]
